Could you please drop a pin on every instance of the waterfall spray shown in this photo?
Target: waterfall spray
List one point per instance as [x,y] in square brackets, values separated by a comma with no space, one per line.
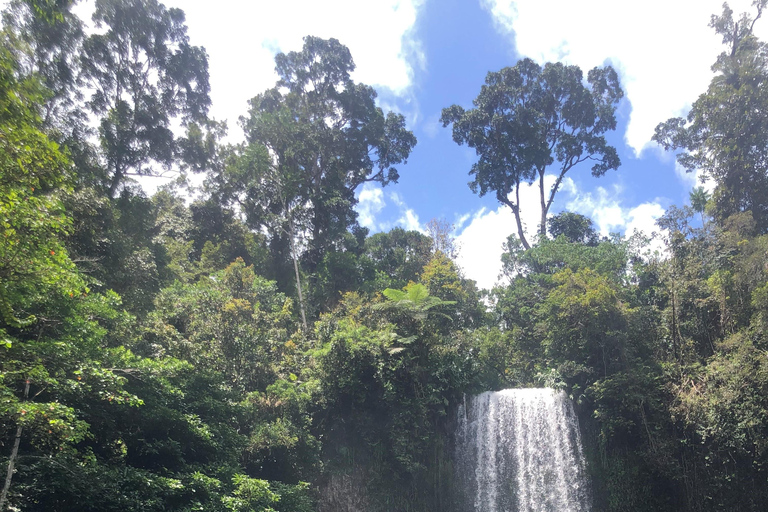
[519,450]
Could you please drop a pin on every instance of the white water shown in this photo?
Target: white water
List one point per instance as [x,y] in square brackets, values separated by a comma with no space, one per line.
[519,450]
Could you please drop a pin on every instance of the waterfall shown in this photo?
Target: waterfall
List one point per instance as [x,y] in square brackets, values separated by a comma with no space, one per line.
[519,450]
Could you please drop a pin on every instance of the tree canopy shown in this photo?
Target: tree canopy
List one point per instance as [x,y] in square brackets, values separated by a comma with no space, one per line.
[144,74]
[326,137]
[726,144]
[254,349]
[530,119]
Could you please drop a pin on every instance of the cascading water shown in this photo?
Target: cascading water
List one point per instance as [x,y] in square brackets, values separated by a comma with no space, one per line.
[519,450]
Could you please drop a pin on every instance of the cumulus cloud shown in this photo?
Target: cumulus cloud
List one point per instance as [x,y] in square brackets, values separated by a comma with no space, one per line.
[370,201]
[642,219]
[607,210]
[663,50]
[410,221]
[480,245]
[242,38]
[379,212]
[408,218]
[481,241]
[694,179]
[689,179]
[460,221]
[601,205]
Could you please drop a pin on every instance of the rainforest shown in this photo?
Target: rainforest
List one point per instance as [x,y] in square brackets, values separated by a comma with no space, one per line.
[246,345]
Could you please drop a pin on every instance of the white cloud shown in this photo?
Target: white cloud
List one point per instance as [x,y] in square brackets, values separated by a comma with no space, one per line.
[378,212]
[480,244]
[662,49]
[688,179]
[460,221]
[694,179]
[241,39]
[642,219]
[705,181]
[408,219]
[605,208]
[481,241]
[370,203]
[602,206]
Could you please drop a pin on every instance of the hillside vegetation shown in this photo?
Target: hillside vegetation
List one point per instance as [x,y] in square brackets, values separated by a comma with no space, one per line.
[253,348]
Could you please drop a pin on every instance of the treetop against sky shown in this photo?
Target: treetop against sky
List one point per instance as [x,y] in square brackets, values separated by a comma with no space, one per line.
[425,55]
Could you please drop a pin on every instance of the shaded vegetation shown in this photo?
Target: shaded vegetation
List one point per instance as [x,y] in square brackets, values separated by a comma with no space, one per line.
[256,349]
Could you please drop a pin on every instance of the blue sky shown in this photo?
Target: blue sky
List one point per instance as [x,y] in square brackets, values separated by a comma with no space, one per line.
[423,55]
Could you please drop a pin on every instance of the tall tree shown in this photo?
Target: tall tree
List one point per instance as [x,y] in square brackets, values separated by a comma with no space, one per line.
[326,137]
[269,199]
[32,171]
[144,75]
[395,258]
[529,120]
[311,141]
[38,282]
[47,38]
[725,130]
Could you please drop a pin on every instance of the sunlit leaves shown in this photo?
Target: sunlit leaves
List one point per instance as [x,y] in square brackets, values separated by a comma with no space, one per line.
[528,119]
[722,135]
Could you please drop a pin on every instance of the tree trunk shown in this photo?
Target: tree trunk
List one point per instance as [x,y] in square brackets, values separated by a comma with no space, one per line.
[516,211]
[544,206]
[14,456]
[117,178]
[298,277]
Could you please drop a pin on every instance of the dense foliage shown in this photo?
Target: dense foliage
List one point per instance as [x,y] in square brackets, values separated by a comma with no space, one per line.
[255,349]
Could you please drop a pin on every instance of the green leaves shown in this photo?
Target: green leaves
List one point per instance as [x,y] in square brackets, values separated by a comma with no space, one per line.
[326,137]
[414,300]
[414,294]
[144,74]
[527,118]
[235,323]
[33,174]
[255,495]
[251,494]
[724,131]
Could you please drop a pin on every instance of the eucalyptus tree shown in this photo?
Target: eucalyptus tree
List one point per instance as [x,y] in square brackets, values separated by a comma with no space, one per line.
[724,133]
[528,120]
[144,76]
[270,199]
